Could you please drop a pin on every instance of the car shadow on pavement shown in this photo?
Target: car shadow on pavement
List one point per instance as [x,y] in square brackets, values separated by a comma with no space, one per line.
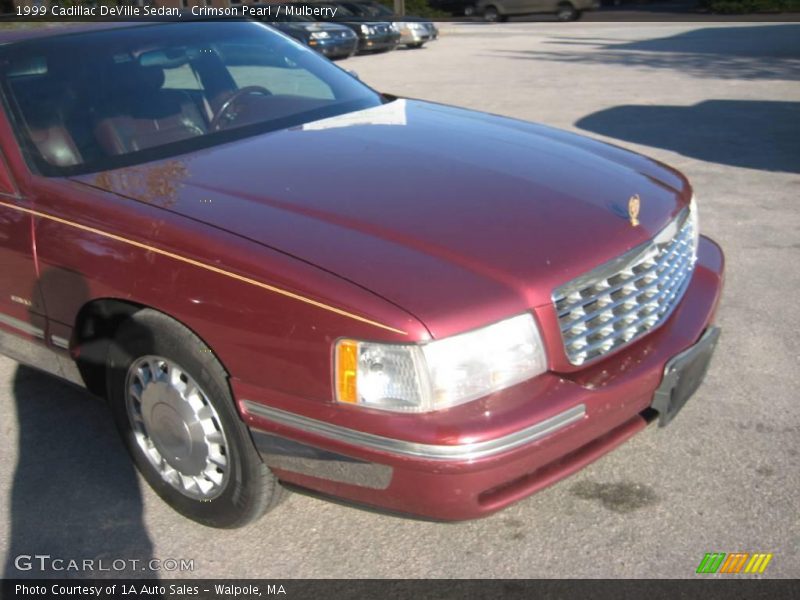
[75,495]
[770,52]
[753,134]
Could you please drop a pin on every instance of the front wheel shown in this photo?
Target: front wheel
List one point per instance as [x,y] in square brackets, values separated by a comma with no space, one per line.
[491,14]
[173,407]
[567,12]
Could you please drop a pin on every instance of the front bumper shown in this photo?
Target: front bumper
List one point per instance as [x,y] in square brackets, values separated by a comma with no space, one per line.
[378,42]
[473,460]
[335,48]
[410,35]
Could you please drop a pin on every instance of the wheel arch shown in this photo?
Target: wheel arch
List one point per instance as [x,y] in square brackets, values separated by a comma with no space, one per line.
[570,5]
[96,325]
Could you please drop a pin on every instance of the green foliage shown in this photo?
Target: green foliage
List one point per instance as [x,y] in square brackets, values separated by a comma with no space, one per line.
[738,7]
[418,8]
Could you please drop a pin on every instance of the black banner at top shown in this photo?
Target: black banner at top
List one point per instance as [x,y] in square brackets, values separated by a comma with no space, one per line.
[54,11]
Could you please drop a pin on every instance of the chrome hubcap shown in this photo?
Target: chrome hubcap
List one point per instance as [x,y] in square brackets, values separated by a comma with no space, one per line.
[176,427]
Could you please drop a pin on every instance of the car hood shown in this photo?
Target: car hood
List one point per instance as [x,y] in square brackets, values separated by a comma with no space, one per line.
[443,211]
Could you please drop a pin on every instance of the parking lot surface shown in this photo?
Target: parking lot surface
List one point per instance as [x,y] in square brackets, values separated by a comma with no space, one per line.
[719,102]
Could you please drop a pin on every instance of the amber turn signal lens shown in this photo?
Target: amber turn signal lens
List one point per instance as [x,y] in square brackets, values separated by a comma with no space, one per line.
[347,371]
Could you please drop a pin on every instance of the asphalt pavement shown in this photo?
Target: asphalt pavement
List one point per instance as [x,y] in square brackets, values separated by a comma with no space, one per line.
[721,102]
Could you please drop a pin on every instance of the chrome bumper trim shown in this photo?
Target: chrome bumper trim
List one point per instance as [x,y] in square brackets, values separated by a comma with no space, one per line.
[464,452]
[39,356]
[60,342]
[22,326]
[288,455]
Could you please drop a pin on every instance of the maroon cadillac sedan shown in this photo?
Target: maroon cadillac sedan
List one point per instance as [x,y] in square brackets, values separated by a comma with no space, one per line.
[280,278]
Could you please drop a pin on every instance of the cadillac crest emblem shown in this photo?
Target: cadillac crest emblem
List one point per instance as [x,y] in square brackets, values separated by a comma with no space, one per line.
[634,203]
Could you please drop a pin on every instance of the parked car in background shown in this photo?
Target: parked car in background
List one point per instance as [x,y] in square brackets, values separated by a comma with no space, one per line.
[414,31]
[373,35]
[564,10]
[457,8]
[330,39]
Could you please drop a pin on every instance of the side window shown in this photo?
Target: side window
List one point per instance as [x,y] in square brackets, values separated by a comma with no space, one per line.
[251,65]
[47,105]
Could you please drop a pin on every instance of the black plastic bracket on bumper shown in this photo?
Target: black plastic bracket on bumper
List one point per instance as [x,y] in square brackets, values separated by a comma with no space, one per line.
[683,374]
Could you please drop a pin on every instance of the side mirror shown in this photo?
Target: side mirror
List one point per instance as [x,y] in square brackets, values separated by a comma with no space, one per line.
[353,74]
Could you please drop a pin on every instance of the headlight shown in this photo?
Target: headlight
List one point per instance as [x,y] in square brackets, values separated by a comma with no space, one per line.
[366,29]
[320,35]
[439,374]
[694,219]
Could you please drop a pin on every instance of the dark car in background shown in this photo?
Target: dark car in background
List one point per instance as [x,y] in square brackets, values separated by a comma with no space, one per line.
[457,8]
[373,35]
[329,39]
[414,31]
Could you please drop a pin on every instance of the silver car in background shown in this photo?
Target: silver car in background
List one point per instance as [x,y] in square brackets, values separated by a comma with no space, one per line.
[414,31]
[500,10]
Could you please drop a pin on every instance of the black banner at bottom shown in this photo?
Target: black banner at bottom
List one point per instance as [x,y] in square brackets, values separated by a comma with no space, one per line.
[419,589]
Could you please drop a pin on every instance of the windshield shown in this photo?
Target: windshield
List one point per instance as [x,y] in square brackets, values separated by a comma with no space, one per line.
[88,102]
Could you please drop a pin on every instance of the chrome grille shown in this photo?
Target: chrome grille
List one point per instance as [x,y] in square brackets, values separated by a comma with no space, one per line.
[619,301]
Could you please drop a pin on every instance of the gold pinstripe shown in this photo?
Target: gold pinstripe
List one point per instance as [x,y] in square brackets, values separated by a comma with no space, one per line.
[205,266]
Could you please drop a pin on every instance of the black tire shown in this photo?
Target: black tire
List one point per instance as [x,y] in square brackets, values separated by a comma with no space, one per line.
[491,14]
[567,12]
[249,489]
[415,46]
